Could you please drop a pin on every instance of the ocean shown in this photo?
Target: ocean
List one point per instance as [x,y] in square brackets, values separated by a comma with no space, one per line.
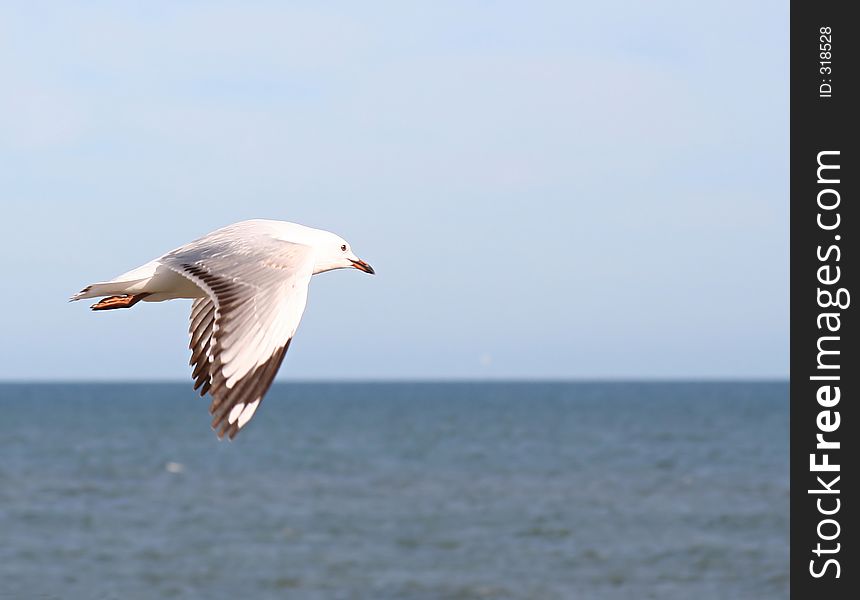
[414,491]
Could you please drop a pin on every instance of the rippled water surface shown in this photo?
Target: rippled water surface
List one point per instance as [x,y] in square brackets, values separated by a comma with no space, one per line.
[412,491]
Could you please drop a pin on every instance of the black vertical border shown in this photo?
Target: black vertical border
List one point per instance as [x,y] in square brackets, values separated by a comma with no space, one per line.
[823,122]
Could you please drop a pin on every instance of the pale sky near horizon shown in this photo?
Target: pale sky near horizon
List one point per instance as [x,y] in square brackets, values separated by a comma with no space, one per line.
[546,189]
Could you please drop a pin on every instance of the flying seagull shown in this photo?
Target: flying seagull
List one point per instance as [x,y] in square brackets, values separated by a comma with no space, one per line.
[249,282]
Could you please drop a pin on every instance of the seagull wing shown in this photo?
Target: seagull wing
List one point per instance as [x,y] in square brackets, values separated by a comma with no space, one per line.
[256,290]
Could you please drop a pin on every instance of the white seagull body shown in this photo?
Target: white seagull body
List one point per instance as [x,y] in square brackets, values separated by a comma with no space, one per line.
[249,282]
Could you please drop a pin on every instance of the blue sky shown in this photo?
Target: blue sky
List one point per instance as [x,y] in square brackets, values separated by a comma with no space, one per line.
[546,189]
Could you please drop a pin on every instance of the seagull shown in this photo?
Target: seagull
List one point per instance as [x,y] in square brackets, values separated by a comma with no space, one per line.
[249,282]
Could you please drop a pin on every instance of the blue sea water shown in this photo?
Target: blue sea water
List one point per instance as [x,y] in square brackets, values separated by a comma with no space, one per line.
[400,491]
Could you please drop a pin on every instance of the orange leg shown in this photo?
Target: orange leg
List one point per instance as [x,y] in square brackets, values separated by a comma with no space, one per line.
[113,302]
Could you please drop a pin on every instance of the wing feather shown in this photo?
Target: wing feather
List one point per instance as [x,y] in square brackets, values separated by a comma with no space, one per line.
[202,320]
[256,290]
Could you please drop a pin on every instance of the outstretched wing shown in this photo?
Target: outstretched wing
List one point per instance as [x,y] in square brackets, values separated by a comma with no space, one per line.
[256,290]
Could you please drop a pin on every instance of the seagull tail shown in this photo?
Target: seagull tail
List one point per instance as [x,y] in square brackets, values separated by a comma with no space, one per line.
[107,288]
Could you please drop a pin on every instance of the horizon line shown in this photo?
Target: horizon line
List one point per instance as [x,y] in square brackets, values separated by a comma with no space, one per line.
[388,380]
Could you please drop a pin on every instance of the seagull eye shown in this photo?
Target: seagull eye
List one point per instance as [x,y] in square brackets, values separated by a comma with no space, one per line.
[343,247]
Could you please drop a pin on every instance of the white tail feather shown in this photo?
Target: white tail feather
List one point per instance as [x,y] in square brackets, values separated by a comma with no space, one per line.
[108,288]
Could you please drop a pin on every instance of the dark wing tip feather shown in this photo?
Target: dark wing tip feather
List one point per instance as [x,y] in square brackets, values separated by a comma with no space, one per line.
[250,388]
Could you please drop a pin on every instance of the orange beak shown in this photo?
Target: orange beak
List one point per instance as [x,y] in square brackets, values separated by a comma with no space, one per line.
[362,266]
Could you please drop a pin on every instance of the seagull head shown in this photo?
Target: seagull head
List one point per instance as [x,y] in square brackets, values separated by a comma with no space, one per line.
[334,252]
[330,251]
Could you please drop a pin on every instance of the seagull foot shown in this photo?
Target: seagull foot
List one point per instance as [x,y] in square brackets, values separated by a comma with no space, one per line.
[112,302]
